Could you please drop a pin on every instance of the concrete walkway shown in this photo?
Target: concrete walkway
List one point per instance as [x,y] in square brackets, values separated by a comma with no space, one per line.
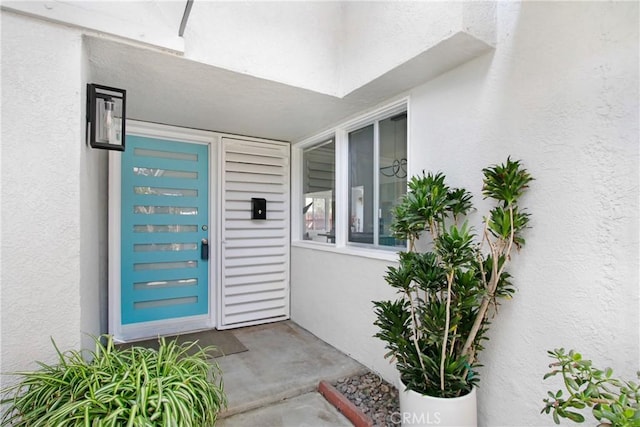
[274,382]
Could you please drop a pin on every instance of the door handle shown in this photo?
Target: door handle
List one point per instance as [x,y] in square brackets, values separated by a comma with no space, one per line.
[204,249]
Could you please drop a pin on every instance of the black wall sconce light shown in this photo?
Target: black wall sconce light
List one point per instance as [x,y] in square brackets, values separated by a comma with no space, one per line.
[106,114]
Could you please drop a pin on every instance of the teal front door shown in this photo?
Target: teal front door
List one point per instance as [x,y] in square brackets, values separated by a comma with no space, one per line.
[164,233]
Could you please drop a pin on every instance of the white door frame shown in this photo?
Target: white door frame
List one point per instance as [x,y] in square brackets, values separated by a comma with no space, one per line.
[245,298]
[149,329]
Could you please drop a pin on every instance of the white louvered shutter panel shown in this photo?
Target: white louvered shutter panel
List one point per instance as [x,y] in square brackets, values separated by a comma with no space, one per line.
[255,253]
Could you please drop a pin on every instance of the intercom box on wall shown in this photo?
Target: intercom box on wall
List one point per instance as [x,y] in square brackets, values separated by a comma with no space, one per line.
[258,208]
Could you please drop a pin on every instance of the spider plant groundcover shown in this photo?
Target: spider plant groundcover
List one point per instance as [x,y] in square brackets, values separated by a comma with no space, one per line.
[171,386]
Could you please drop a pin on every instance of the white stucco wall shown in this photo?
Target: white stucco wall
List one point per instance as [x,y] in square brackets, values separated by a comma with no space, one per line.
[42,134]
[93,208]
[561,93]
[296,43]
[329,47]
[566,101]
[331,296]
[153,23]
[379,36]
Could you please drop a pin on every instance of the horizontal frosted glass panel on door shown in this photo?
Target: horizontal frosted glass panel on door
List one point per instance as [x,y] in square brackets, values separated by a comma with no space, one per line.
[153,247]
[143,152]
[173,192]
[165,173]
[164,302]
[157,284]
[174,228]
[164,265]
[165,210]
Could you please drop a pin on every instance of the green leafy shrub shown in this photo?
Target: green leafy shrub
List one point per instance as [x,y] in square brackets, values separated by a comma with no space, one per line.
[176,385]
[447,295]
[613,402]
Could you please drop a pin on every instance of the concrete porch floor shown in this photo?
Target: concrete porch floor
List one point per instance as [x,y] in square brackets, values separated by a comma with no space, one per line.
[274,383]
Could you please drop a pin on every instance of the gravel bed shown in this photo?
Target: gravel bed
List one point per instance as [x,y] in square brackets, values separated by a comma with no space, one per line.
[372,395]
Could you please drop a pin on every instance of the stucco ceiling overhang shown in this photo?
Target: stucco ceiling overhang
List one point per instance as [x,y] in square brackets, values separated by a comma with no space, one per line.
[168,83]
[168,89]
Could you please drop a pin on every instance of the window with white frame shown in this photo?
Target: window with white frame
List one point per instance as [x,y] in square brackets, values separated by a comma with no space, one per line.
[377,180]
[319,192]
[350,181]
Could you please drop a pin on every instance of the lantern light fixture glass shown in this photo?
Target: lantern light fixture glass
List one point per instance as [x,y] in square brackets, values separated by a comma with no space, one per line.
[106,113]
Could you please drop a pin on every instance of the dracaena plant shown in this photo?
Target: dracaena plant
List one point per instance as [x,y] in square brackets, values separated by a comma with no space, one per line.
[449,293]
[176,385]
[613,401]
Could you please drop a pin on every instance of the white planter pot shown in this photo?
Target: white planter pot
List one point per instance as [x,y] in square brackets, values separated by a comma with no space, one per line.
[421,410]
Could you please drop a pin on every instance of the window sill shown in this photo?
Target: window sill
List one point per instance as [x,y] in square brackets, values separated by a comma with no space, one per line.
[391,256]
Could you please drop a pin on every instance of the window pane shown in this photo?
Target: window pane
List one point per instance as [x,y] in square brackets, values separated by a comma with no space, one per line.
[164,302]
[165,154]
[393,173]
[174,228]
[165,210]
[318,183]
[165,173]
[154,247]
[174,192]
[164,265]
[164,284]
[361,190]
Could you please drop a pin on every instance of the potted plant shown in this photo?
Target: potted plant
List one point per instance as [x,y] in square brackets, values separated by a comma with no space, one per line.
[613,402]
[448,292]
[176,385]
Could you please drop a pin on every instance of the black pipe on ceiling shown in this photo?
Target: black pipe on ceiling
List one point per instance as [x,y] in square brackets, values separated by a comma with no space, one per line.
[185,17]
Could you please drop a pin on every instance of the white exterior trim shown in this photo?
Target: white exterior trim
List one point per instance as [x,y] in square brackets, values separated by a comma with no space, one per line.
[213,319]
[149,329]
[114,239]
[254,308]
[341,134]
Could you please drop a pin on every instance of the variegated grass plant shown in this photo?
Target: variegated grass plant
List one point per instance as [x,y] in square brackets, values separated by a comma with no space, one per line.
[176,385]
